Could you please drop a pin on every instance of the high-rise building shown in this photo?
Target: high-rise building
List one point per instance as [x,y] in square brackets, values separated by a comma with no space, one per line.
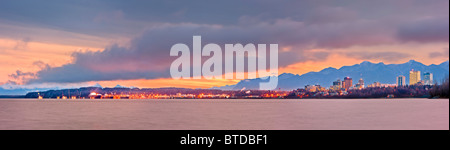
[376,84]
[414,77]
[347,83]
[361,83]
[311,88]
[401,81]
[337,84]
[428,78]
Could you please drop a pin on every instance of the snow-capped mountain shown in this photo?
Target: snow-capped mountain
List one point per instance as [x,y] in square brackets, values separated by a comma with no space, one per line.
[369,72]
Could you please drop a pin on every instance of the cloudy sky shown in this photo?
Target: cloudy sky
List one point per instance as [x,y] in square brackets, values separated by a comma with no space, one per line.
[83,42]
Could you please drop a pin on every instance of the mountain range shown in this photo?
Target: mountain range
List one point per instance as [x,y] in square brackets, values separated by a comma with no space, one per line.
[369,72]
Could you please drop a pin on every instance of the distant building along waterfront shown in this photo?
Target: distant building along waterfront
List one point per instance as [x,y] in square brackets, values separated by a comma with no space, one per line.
[360,84]
[401,81]
[414,77]
[428,78]
[311,88]
[347,83]
[337,85]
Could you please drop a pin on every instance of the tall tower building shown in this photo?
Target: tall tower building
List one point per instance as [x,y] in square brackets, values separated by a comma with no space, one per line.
[428,78]
[401,81]
[347,83]
[414,77]
[361,83]
[337,84]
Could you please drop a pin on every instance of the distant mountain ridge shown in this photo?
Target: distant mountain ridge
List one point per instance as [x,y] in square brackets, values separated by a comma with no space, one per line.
[369,72]
[20,91]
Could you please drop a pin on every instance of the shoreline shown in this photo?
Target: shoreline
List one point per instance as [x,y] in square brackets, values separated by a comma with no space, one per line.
[225,99]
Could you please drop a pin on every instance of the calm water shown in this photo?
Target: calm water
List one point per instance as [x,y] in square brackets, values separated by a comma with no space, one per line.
[225,114]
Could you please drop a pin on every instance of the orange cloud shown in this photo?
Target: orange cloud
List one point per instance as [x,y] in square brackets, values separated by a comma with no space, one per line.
[13,58]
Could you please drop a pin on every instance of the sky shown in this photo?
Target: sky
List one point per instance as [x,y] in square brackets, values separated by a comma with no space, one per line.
[75,43]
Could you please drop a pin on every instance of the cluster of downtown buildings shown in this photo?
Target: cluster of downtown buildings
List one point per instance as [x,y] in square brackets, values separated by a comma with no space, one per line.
[415,78]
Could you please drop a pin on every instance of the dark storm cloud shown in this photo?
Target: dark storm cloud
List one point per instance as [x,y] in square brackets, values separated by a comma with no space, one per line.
[85,16]
[74,73]
[20,75]
[384,56]
[148,55]
[443,54]
[425,30]
[301,25]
